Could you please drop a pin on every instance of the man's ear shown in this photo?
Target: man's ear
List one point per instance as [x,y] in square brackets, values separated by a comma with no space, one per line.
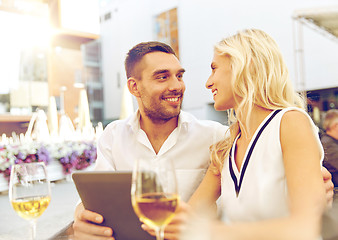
[132,86]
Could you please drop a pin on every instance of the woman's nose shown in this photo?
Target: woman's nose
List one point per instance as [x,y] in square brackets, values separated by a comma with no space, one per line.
[209,83]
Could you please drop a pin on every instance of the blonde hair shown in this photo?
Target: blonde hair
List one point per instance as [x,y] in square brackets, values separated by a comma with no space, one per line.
[331,117]
[259,77]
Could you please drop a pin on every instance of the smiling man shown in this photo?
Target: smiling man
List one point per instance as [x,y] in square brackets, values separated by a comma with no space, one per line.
[158,130]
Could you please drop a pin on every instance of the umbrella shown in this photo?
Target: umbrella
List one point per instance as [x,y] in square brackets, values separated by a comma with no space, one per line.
[52,117]
[84,116]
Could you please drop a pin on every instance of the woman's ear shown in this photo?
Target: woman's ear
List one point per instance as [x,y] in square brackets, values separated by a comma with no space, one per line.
[132,86]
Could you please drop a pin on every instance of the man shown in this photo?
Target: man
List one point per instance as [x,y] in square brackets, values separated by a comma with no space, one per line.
[159,129]
[330,143]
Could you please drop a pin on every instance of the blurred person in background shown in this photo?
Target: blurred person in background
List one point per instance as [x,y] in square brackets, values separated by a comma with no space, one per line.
[329,140]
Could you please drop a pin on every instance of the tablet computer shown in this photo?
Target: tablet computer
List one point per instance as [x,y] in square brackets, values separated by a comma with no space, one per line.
[108,193]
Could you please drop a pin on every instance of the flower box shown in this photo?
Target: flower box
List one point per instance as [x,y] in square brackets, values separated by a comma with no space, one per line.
[55,171]
[61,158]
[3,183]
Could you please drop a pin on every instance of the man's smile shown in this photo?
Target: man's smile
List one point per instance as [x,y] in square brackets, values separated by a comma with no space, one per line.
[172,99]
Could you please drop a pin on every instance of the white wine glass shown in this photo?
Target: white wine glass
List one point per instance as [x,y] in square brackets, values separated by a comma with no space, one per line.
[29,191]
[154,193]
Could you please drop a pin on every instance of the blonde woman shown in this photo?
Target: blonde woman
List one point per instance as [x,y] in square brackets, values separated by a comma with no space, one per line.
[268,169]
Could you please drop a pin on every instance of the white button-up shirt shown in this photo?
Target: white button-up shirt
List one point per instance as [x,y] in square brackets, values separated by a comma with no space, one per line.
[123,141]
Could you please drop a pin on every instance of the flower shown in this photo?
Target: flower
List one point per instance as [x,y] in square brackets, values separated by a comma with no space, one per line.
[43,154]
[11,154]
[7,159]
[72,155]
[87,157]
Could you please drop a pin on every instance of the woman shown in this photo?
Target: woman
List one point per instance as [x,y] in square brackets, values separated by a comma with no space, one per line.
[268,169]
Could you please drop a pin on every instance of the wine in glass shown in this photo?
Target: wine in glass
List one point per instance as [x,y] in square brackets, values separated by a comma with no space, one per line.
[154,193]
[29,191]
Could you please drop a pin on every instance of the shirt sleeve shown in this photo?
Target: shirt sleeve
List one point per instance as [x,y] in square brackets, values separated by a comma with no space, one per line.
[220,131]
[105,159]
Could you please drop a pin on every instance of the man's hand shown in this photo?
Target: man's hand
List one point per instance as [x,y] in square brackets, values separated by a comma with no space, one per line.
[85,227]
[177,225]
[328,186]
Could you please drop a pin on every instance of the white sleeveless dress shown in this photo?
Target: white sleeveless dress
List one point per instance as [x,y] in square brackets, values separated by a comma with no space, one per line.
[259,190]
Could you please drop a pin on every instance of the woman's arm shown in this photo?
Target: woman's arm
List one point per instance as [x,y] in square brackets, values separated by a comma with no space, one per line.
[204,198]
[301,156]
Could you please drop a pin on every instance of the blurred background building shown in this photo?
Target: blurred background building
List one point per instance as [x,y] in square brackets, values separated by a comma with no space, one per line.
[59,47]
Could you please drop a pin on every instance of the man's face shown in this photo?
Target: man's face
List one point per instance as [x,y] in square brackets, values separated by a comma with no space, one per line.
[161,87]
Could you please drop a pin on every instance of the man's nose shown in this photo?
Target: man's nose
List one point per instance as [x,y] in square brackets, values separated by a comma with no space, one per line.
[176,83]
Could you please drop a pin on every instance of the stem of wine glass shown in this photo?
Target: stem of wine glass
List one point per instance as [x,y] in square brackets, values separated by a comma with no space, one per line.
[159,233]
[33,228]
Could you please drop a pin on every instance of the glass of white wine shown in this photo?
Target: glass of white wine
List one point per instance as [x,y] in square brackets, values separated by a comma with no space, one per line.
[154,193]
[29,191]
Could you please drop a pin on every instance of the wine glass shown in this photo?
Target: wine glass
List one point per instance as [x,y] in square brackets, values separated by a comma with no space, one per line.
[154,193]
[29,191]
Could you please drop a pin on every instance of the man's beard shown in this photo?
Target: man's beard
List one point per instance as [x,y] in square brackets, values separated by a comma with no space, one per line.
[159,114]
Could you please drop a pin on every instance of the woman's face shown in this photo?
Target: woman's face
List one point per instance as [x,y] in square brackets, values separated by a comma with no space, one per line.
[220,82]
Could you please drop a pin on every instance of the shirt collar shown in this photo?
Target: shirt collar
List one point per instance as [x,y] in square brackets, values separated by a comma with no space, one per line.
[183,120]
[134,121]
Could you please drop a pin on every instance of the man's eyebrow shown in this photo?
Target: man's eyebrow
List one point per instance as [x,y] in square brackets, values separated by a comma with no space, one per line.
[162,71]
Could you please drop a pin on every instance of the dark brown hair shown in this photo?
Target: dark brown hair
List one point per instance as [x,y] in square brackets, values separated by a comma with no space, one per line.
[135,55]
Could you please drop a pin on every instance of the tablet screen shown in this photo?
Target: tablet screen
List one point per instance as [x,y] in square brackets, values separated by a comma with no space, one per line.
[108,193]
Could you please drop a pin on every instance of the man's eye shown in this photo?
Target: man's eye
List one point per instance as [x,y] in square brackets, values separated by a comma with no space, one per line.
[180,76]
[162,77]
